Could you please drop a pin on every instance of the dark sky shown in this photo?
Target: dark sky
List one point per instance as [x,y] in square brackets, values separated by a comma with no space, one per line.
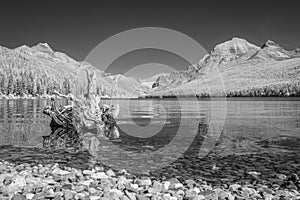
[76,28]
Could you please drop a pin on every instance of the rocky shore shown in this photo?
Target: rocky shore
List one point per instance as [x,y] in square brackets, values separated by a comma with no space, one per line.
[33,182]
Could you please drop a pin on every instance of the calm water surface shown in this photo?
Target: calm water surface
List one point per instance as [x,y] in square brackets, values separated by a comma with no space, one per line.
[167,138]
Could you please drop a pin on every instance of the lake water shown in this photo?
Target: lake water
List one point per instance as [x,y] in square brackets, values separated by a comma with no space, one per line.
[215,140]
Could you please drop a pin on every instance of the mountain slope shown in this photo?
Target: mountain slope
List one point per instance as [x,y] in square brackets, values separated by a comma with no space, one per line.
[38,70]
[244,69]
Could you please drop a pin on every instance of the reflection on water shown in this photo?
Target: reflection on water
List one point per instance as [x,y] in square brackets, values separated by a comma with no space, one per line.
[257,136]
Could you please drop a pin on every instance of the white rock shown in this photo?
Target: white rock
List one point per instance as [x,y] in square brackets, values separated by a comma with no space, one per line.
[58,171]
[178,185]
[167,185]
[110,173]
[29,196]
[88,172]
[99,175]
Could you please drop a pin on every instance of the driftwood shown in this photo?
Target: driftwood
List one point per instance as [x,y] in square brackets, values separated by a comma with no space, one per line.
[85,114]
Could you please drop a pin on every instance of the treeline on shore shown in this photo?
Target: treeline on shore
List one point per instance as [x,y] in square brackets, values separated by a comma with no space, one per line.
[290,89]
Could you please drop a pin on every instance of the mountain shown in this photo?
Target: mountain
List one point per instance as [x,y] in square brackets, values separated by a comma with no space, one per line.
[233,68]
[272,50]
[244,68]
[39,70]
[148,82]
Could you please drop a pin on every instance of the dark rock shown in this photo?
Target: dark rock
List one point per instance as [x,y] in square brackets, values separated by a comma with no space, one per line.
[294,178]
[141,197]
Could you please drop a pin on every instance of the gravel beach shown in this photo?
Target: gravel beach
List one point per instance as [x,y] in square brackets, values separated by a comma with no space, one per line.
[26,181]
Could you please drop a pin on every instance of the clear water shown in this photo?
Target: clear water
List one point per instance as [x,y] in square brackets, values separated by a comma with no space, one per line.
[213,140]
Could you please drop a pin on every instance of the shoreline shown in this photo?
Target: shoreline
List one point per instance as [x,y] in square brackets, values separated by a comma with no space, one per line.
[258,98]
[52,181]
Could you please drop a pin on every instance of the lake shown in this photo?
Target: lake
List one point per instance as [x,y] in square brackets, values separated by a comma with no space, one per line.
[215,140]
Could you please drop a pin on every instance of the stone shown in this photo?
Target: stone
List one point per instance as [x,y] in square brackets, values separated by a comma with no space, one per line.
[88,172]
[49,181]
[190,183]
[110,173]
[130,195]
[166,185]
[157,187]
[265,190]
[68,194]
[81,196]
[99,175]
[141,197]
[294,178]
[178,186]
[13,184]
[125,198]
[80,188]
[3,167]
[39,196]
[85,183]
[155,197]
[18,197]
[146,181]
[57,171]
[29,196]
[190,193]
[280,176]
[134,186]
[92,190]
[123,172]
[234,187]
[113,194]
[95,198]
[180,192]
[199,197]
[99,169]
[166,196]
[250,191]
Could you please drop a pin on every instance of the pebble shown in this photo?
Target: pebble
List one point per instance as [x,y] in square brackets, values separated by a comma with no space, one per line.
[145,181]
[20,182]
[99,175]
[110,173]
[29,195]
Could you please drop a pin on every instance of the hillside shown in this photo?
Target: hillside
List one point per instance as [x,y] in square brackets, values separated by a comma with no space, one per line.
[233,68]
[38,70]
[237,68]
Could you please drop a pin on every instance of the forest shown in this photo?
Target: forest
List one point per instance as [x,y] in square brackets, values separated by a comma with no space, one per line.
[20,76]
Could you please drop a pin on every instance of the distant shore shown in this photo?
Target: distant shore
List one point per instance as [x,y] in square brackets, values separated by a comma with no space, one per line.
[215,98]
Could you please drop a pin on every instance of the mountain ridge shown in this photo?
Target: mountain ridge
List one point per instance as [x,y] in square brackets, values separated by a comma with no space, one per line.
[232,56]
[39,70]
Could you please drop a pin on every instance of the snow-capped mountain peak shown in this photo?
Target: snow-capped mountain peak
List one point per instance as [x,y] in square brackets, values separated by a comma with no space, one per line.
[235,46]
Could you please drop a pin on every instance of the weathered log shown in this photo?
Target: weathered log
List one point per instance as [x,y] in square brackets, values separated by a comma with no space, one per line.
[85,114]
